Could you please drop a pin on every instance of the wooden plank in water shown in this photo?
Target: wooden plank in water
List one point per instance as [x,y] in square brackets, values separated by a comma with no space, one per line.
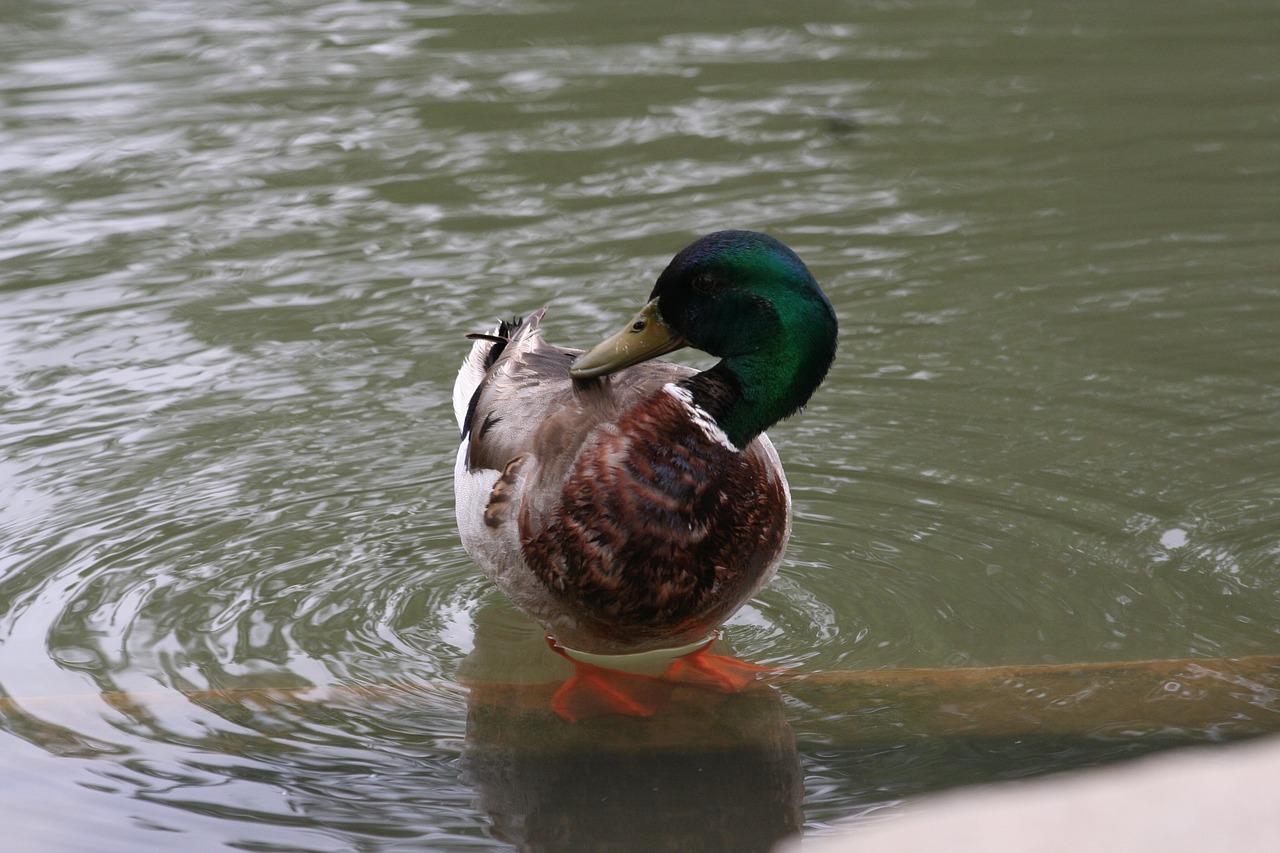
[1188,700]
[1169,700]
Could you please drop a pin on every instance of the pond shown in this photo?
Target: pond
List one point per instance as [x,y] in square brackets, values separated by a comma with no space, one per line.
[239,249]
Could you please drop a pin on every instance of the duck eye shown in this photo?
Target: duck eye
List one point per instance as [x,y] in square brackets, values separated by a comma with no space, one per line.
[637,326]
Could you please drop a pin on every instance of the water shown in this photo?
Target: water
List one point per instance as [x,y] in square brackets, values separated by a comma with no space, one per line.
[237,255]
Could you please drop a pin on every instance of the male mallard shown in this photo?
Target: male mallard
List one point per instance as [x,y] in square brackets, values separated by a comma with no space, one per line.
[629,511]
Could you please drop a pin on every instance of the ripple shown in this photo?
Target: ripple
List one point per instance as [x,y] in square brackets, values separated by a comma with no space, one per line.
[239,252]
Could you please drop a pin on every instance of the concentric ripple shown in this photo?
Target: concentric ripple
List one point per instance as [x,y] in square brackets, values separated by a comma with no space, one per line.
[239,250]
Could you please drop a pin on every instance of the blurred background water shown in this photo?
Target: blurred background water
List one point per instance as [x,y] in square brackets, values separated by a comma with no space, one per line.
[240,245]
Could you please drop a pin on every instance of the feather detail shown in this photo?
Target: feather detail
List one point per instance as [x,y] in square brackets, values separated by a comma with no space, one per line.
[661,531]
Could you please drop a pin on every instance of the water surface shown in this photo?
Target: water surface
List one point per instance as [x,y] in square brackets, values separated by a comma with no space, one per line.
[238,251]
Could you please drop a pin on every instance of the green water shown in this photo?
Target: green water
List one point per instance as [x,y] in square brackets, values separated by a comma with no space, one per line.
[240,245]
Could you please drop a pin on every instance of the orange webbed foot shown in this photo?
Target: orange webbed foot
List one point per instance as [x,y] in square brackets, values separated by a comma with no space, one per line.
[594,691]
[717,672]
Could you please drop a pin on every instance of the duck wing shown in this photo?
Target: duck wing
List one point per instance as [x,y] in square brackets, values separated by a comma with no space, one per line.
[514,397]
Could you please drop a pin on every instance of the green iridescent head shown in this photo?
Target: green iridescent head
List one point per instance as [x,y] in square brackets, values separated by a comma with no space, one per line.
[748,299]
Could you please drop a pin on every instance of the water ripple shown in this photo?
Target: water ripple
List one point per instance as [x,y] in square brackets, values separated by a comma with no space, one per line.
[239,251]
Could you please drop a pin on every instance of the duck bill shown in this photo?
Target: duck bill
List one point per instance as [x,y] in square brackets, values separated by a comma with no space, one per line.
[645,337]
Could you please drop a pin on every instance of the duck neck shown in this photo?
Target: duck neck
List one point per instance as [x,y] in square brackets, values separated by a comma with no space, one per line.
[747,394]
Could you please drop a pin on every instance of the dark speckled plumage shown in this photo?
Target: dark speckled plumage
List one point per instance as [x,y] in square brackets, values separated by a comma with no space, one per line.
[659,529]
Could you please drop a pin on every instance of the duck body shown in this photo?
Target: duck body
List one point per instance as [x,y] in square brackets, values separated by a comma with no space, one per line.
[612,510]
[630,504]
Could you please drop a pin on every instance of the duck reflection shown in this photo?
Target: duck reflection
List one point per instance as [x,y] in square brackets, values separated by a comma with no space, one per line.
[708,772]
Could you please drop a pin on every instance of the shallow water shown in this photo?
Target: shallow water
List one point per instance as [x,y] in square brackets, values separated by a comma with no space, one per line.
[238,252]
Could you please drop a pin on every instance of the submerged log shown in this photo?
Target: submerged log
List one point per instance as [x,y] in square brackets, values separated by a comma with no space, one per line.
[1173,700]
[1191,700]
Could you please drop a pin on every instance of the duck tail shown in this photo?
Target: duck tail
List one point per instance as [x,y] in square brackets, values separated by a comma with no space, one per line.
[485,353]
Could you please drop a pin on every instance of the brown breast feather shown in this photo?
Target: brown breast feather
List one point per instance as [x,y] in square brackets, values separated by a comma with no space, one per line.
[659,530]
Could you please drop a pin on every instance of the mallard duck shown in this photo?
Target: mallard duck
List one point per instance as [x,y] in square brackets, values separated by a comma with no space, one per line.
[629,505]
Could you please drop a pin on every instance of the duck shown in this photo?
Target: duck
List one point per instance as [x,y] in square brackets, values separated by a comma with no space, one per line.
[631,505]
